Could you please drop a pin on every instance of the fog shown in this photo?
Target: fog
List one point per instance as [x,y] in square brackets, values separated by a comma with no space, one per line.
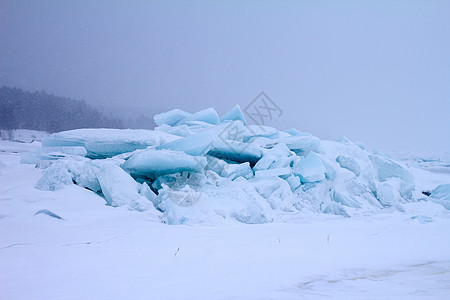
[375,71]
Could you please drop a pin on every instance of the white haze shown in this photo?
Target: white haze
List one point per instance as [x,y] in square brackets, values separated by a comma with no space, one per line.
[374,71]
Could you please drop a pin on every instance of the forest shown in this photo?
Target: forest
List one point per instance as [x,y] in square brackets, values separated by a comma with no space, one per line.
[41,111]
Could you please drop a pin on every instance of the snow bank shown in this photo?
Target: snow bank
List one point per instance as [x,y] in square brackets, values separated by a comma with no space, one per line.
[202,168]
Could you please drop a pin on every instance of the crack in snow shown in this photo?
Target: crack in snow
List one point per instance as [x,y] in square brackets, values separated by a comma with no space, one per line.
[90,243]
[16,244]
[96,242]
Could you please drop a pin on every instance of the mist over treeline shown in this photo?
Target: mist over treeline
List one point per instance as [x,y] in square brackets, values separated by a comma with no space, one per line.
[41,111]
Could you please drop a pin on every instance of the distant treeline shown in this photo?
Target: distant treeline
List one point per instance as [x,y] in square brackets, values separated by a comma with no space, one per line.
[20,109]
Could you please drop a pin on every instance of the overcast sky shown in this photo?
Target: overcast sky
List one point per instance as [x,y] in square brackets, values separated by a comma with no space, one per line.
[374,71]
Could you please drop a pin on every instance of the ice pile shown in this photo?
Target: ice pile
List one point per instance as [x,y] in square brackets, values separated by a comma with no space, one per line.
[441,195]
[202,168]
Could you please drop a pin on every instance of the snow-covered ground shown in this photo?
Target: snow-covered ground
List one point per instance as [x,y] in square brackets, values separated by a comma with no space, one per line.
[22,135]
[67,244]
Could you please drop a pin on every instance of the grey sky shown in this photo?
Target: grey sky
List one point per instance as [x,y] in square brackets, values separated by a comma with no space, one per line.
[374,71]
